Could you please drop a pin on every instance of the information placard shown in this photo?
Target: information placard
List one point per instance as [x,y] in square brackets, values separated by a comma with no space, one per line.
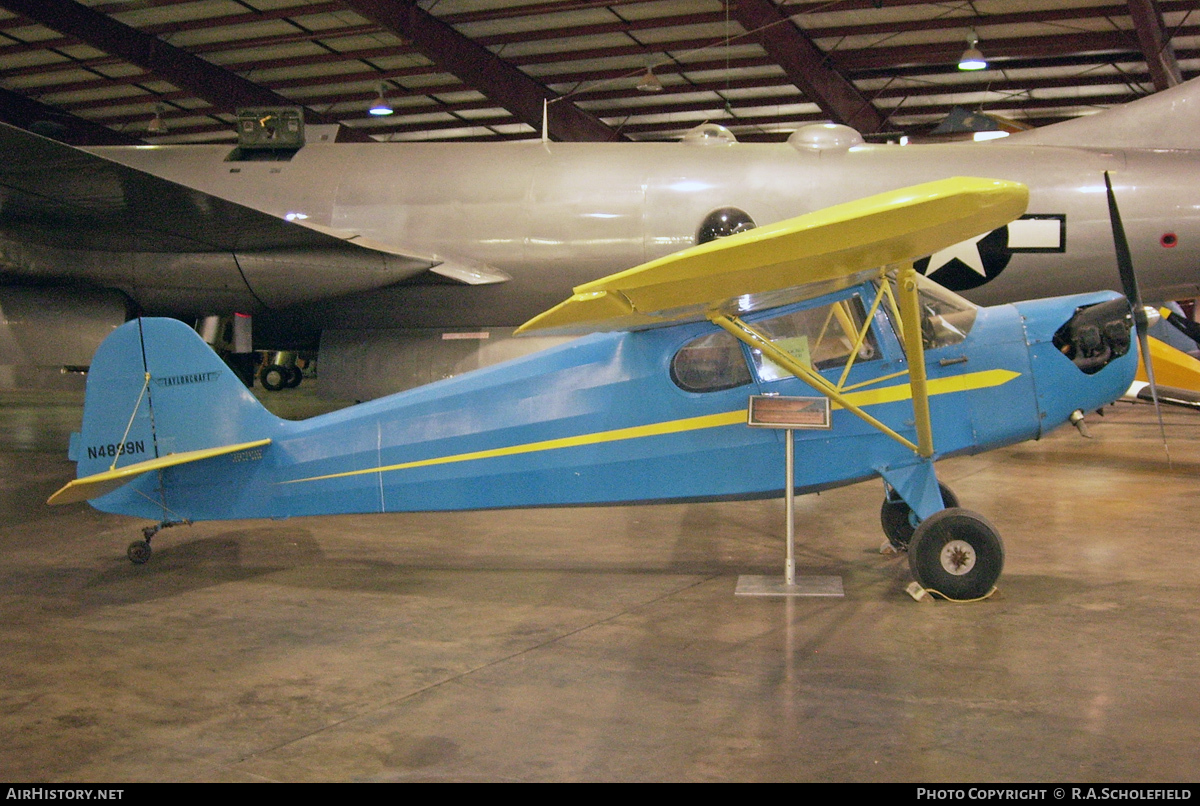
[774,411]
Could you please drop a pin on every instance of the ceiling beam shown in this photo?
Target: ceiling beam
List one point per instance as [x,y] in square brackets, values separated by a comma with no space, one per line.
[203,23]
[531,9]
[1156,45]
[484,70]
[220,87]
[896,61]
[605,85]
[805,65]
[17,110]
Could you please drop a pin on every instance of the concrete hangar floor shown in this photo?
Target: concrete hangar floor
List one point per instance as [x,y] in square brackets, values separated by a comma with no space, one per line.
[607,644]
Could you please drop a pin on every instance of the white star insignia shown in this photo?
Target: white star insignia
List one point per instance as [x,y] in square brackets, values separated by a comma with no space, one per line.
[967,251]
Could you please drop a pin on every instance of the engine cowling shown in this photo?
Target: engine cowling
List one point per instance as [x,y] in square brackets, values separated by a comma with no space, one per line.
[49,334]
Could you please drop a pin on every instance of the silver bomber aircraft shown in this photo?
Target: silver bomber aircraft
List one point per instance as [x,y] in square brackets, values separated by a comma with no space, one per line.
[441,244]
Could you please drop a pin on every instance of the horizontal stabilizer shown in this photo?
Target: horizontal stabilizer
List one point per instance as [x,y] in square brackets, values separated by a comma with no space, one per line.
[98,484]
[833,244]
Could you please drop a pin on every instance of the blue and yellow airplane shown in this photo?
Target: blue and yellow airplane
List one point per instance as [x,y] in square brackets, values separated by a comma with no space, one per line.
[651,405]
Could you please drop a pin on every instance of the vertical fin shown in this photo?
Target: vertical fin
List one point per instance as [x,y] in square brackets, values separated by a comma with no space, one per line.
[154,389]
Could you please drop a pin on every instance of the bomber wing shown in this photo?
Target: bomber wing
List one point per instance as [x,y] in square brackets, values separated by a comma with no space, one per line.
[54,194]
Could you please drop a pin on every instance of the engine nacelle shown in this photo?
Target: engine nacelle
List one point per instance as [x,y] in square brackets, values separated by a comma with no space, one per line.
[48,335]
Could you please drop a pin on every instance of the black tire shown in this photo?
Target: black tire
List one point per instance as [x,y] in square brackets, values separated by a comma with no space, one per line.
[956,553]
[896,517]
[273,377]
[295,375]
[138,552]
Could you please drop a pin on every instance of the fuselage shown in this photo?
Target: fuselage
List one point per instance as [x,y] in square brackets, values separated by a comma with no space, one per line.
[555,215]
[608,418]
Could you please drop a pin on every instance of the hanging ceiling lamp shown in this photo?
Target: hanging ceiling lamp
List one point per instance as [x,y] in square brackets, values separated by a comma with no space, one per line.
[156,125]
[381,108]
[649,82]
[972,58]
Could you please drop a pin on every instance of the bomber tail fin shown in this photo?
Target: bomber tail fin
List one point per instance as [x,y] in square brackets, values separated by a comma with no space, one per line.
[158,397]
[1167,119]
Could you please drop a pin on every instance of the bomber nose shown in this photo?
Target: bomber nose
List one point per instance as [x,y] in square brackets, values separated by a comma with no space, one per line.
[1096,335]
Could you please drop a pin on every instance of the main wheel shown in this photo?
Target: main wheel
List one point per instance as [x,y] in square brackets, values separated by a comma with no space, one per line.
[956,553]
[295,375]
[273,377]
[138,552]
[898,519]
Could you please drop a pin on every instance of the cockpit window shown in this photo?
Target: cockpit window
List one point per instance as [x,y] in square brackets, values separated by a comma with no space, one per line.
[946,318]
[820,338]
[710,363]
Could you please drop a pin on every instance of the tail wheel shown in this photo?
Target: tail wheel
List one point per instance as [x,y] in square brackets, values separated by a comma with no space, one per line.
[956,553]
[899,521]
[138,552]
[273,377]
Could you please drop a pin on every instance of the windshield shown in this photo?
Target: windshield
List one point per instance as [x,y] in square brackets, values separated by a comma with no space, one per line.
[946,318]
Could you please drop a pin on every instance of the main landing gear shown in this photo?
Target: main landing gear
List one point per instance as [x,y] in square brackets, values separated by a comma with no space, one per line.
[898,519]
[274,377]
[954,553]
[280,371]
[139,550]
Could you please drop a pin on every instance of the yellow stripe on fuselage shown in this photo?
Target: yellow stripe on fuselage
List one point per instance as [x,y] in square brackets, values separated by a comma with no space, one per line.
[616,435]
[937,386]
[871,397]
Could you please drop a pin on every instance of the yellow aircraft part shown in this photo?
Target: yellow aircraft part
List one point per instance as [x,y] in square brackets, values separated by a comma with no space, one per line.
[1171,367]
[827,245]
[98,484]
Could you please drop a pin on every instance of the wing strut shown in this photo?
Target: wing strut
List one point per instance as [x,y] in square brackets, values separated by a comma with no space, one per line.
[914,346]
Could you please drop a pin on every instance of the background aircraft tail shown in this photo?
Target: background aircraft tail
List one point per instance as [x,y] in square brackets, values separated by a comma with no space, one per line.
[1166,119]
[155,388]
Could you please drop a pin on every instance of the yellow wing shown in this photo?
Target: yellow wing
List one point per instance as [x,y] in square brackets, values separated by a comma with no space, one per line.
[827,245]
[98,484]
[1171,367]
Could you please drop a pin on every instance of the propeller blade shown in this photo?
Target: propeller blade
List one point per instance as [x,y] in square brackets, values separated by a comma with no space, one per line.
[1144,343]
[1134,295]
[1124,259]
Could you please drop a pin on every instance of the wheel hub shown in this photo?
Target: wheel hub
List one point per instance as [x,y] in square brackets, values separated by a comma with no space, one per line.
[958,557]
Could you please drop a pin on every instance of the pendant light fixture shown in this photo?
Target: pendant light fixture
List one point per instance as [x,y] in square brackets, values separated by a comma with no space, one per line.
[381,108]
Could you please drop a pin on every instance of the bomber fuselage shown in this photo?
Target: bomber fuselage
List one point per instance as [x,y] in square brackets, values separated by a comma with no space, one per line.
[555,215]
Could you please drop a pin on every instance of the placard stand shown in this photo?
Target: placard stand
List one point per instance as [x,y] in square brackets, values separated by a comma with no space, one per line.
[787,413]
